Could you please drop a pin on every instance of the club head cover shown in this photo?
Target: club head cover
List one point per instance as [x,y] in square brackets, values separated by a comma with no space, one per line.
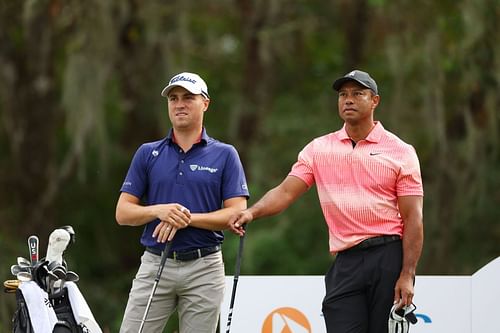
[40,272]
[71,232]
[58,241]
[400,319]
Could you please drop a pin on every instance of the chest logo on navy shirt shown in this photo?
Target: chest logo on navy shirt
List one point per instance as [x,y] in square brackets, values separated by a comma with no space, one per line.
[196,167]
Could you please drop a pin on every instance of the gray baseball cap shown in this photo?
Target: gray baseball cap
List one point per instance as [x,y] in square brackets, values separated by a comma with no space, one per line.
[189,81]
[363,78]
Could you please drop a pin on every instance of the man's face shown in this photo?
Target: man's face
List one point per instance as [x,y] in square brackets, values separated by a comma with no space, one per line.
[185,109]
[356,103]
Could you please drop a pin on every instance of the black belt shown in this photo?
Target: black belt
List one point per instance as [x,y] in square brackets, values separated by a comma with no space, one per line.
[374,241]
[186,255]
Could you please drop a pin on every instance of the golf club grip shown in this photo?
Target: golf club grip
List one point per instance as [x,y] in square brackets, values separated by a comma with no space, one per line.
[164,256]
[33,246]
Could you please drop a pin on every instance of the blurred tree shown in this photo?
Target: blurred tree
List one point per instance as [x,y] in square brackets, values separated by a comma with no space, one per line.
[80,90]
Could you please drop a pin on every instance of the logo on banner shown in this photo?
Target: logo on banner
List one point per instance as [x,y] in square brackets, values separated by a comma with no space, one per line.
[286,320]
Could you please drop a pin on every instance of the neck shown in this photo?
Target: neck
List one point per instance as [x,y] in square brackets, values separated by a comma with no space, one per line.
[359,131]
[187,138]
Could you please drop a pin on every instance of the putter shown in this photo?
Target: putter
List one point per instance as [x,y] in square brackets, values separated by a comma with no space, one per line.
[157,279]
[235,281]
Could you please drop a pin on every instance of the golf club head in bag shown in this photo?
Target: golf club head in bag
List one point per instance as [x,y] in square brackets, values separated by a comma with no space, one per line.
[400,319]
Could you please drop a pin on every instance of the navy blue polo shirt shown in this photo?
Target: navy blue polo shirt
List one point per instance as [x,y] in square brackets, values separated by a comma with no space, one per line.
[200,180]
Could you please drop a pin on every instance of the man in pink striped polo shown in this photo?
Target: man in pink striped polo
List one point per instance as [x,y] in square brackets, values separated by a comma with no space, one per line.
[371,194]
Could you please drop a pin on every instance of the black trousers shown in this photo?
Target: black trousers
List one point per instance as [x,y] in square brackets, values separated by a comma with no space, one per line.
[360,289]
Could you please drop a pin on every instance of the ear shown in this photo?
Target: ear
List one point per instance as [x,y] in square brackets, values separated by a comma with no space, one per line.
[375,101]
[206,103]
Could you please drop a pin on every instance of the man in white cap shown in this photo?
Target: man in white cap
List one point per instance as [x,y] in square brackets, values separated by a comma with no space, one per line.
[174,189]
[370,190]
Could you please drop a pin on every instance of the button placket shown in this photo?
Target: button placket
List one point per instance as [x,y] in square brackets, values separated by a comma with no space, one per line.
[180,167]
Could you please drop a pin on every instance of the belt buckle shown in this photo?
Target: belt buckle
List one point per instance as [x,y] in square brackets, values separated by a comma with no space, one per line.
[174,255]
[199,253]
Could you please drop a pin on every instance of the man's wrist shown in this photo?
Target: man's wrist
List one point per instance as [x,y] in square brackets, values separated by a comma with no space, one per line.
[252,212]
[407,273]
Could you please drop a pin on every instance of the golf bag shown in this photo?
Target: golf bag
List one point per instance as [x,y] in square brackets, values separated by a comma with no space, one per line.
[21,321]
[48,300]
[66,323]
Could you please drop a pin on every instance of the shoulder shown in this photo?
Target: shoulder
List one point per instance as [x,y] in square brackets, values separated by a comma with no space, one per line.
[152,148]
[398,146]
[220,146]
[324,140]
[153,144]
[395,140]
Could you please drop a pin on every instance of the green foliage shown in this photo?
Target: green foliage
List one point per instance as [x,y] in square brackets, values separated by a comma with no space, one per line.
[80,90]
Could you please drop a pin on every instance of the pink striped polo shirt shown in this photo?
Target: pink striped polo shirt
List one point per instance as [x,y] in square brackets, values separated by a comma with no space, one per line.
[358,187]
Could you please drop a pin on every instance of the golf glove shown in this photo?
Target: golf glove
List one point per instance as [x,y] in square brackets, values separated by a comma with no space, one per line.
[400,319]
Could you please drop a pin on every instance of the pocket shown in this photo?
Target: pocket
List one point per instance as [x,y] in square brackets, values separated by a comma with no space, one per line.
[149,265]
[213,259]
[392,257]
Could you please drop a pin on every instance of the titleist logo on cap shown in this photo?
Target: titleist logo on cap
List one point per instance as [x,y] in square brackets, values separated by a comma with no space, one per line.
[182,78]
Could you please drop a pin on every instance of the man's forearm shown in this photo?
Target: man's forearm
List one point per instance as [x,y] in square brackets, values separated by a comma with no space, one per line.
[217,220]
[132,214]
[413,238]
[279,198]
[272,203]
[214,220]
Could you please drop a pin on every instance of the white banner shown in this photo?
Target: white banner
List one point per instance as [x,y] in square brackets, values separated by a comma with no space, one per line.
[292,304]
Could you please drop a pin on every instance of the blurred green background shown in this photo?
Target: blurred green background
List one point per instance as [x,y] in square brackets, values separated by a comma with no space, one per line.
[80,85]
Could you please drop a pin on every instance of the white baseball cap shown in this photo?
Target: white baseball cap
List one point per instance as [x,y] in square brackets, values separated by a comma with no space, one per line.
[189,81]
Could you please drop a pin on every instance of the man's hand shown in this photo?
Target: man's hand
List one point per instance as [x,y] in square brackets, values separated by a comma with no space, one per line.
[403,291]
[172,218]
[236,221]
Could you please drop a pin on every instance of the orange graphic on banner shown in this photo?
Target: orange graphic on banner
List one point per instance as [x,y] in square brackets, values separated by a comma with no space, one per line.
[286,320]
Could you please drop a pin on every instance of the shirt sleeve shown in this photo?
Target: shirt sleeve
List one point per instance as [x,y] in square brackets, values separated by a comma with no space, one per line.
[409,180]
[234,182]
[303,168]
[136,180]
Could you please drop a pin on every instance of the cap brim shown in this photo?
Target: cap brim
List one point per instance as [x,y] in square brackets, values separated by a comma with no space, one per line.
[186,86]
[339,82]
